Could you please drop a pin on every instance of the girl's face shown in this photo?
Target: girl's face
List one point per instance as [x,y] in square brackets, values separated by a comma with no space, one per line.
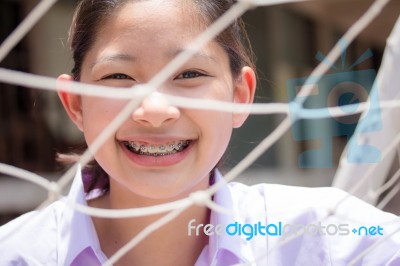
[161,151]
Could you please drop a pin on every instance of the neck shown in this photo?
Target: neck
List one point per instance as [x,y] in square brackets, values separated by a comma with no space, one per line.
[161,247]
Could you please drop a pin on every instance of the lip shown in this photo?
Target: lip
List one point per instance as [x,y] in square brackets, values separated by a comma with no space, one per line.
[156,161]
[157,140]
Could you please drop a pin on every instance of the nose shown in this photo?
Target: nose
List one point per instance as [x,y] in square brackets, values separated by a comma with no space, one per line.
[155,111]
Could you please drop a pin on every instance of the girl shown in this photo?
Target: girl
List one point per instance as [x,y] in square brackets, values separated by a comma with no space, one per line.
[162,153]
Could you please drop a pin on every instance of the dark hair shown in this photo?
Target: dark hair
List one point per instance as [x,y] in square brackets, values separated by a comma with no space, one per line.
[91,14]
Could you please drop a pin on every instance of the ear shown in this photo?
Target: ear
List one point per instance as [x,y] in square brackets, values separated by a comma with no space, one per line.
[245,87]
[71,102]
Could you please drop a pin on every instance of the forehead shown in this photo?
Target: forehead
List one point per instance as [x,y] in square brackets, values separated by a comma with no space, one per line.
[151,30]
[158,17]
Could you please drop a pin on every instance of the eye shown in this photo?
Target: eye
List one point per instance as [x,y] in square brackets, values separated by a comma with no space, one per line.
[190,74]
[118,76]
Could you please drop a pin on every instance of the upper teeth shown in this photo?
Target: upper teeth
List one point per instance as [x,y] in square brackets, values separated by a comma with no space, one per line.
[153,148]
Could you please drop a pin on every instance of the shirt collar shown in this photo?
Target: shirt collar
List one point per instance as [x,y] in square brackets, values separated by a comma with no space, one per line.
[78,239]
[236,247]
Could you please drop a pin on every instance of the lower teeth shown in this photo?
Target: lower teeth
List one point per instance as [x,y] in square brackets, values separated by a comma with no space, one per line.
[143,151]
[155,154]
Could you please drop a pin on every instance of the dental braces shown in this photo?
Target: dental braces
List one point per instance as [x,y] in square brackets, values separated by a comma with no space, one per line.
[161,150]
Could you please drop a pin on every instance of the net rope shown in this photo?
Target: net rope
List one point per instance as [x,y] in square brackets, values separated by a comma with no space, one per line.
[136,94]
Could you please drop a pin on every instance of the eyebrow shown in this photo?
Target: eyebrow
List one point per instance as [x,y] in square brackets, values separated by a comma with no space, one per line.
[195,54]
[130,58]
[113,58]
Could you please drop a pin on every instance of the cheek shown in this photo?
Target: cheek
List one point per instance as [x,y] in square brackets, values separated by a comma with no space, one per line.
[216,126]
[216,131]
[220,90]
[220,137]
[97,115]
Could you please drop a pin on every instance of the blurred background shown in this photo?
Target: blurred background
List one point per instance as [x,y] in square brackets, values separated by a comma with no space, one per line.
[285,39]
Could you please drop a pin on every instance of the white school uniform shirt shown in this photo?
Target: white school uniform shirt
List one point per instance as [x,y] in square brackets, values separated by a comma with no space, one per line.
[58,235]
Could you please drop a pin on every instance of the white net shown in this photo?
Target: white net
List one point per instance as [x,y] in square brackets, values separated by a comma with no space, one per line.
[367,186]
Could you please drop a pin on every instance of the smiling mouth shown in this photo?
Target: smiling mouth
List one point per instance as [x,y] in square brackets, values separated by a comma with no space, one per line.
[157,149]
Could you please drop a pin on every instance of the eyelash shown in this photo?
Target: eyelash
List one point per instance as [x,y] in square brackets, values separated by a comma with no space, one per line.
[190,75]
[118,76]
